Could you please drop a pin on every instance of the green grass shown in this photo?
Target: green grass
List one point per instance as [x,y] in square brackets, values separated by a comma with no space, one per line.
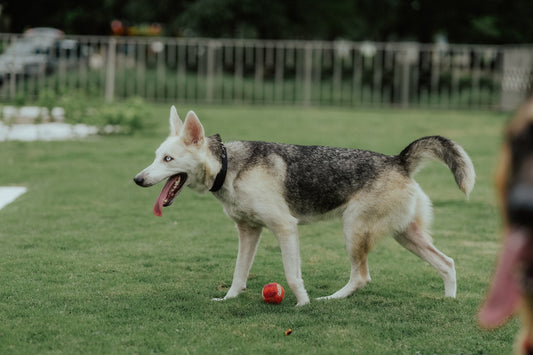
[85,267]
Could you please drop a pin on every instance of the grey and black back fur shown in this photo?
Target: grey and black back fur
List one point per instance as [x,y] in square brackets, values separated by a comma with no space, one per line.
[278,186]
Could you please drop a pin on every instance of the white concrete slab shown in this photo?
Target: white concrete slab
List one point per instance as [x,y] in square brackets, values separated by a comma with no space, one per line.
[52,131]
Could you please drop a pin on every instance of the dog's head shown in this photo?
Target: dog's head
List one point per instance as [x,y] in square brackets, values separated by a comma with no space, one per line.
[517,178]
[184,159]
[513,280]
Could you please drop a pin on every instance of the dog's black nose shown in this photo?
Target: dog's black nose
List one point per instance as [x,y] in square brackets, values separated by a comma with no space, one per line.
[520,205]
[139,180]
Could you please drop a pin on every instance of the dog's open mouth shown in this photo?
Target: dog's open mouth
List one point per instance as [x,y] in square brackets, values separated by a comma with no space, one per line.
[169,192]
[513,279]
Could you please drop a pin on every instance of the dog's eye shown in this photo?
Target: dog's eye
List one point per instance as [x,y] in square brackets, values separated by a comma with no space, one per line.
[167,158]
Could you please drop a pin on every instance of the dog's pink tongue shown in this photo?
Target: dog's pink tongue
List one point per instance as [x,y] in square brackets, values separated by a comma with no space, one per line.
[505,289]
[158,206]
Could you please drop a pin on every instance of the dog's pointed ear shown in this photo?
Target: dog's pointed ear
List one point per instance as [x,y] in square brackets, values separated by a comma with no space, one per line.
[175,122]
[193,131]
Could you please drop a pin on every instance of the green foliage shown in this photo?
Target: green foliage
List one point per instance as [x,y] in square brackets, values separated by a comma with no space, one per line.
[486,27]
[124,117]
[77,108]
[462,21]
[120,117]
[47,98]
[20,99]
[86,267]
[128,115]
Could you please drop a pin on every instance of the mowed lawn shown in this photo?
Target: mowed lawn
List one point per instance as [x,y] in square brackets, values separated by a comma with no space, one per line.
[85,267]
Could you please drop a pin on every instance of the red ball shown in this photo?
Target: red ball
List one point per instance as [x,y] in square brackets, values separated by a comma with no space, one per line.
[273,293]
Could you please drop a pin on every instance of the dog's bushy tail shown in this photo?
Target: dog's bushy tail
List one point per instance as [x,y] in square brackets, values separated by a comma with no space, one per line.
[416,154]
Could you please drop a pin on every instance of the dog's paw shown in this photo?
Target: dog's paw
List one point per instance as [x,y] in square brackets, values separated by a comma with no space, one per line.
[301,304]
[323,298]
[303,300]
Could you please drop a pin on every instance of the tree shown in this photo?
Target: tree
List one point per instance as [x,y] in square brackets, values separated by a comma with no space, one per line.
[461,21]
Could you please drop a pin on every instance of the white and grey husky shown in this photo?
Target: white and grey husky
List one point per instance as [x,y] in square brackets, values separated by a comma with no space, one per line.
[278,186]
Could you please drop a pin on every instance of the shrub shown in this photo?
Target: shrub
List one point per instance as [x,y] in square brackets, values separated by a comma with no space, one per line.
[124,117]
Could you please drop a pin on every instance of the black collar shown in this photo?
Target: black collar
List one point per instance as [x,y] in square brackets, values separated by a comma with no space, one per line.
[221,176]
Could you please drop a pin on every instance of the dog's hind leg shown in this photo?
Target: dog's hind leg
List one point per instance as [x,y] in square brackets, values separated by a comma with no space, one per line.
[290,252]
[358,246]
[418,241]
[248,242]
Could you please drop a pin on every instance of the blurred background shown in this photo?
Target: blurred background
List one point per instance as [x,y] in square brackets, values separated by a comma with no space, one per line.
[460,21]
[392,53]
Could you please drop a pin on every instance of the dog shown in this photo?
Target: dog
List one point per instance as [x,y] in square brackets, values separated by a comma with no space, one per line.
[279,186]
[512,285]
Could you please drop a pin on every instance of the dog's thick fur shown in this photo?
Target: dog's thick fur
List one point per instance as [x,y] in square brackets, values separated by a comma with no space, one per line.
[512,287]
[278,186]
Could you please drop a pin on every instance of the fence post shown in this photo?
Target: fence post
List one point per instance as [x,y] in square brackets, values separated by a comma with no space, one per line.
[110,70]
[210,71]
[405,83]
[409,55]
[308,72]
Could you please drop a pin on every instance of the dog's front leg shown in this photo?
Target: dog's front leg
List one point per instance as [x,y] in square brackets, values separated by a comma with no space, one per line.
[290,253]
[248,242]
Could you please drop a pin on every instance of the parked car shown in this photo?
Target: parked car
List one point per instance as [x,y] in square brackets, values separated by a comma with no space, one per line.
[39,51]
